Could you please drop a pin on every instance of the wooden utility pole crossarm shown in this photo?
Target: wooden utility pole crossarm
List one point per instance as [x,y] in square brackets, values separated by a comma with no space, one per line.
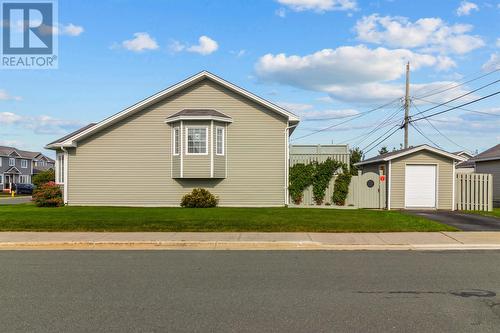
[407,104]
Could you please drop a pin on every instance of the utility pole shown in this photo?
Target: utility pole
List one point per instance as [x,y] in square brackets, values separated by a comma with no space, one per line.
[407,104]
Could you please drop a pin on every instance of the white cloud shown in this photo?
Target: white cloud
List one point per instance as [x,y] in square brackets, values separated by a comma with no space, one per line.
[466,8]
[5,96]
[432,34]
[142,41]
[347,73]
[325,99]
[69,29]
[492,63]
[498,43]
[308,112]
[40,124]
[353,73]
[238,53]
[206,46]
[281,12]
[319,5]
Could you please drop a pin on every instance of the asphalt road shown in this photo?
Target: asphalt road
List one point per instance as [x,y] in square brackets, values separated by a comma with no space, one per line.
[461,221]
[245,291]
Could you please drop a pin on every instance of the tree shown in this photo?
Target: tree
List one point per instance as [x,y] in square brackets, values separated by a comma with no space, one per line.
[356,156]
[383,150]
[44,177]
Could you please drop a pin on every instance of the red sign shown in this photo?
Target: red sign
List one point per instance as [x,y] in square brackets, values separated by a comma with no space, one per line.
[382,178]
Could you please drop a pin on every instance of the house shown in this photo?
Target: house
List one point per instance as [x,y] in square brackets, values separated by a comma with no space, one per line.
[489,162]
[417,177]
[467,166]
[18,166]
[201,132]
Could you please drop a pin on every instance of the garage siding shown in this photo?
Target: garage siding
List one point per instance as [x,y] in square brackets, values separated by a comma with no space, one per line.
[444,178]
[492,167]
[129,163]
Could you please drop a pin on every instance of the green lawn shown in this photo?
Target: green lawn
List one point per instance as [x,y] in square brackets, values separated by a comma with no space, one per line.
[30,218]
[495,212]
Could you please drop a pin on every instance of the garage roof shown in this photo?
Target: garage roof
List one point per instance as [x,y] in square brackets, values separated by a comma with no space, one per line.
[399,153]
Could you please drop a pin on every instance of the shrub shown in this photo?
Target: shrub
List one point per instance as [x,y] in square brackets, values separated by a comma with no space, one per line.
[199,198]
[44,177]
[48,195]
[300,178]
[341,188]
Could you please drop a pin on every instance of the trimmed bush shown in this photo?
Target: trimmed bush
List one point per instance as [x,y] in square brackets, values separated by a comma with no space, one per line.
[199,198]
[341,188]
[48,195]
[44,177]
[300,178]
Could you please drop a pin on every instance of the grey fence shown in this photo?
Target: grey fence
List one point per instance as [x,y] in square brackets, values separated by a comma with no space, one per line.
[365,191]
[474,191]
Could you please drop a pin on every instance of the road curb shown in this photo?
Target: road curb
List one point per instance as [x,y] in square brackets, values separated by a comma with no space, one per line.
[240,245]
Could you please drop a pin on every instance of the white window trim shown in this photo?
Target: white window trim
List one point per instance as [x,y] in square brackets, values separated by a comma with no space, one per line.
[206,140]
[1,178]
[1,161]
[174,140]
[24,164]
[12,159]
[217,128]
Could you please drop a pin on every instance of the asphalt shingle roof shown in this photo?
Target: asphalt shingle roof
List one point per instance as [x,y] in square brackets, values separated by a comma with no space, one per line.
[491,154]
[199,113]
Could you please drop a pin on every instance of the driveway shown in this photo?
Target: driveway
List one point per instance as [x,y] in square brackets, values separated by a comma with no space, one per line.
[462,221]
[15,200]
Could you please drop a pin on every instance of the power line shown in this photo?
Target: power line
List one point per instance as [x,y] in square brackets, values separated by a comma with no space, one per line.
[456,107]
[440,133]
[386,122]
[387,137]
[348,120]
[458,97]
[426,94]
[467,110]
[425,136]
[378,138]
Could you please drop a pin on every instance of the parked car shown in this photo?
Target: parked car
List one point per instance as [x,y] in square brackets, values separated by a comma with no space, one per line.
[23,188]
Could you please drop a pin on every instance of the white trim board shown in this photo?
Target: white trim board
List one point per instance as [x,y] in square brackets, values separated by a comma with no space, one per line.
[411,151]
[71,141]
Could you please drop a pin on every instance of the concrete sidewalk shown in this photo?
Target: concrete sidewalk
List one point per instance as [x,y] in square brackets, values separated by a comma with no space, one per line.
[251,240]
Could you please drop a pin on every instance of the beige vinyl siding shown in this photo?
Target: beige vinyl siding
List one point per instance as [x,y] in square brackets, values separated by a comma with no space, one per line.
[444,178]
[129,163]
[492,167]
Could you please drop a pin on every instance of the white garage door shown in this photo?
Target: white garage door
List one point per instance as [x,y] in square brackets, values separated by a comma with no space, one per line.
[420,186]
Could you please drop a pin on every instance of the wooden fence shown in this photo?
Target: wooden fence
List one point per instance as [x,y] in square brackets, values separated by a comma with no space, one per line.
[365,191]
[474,191]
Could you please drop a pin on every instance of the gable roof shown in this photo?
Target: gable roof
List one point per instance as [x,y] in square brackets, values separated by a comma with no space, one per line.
[488,155]
[198,114]
[13,170]
[8,151]
[70,139]
[463,153]
[402,152]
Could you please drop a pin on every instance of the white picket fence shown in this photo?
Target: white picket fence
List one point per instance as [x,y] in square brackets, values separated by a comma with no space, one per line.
[474,191]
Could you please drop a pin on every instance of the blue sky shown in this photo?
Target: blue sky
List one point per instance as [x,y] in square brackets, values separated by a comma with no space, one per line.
[322,59]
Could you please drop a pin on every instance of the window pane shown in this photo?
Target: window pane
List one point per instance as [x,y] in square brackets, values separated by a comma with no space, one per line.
[177,141]
[220,141]
[197,140]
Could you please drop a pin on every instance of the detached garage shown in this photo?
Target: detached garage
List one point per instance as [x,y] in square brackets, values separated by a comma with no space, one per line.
[421,177]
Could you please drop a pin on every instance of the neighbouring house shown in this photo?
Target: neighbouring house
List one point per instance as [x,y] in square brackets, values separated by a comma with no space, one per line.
[201,132]
[466,166]
[489,162]
[417,177]
[18,166]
